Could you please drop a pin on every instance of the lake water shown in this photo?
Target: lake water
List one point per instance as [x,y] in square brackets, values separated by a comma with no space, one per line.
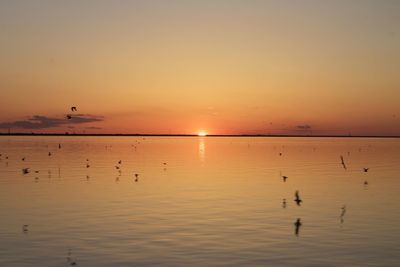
[216,201]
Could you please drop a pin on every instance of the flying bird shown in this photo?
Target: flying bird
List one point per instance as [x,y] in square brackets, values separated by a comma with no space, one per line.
[25,170]
[297,198]
[366,169]
[69,117]
[73,109]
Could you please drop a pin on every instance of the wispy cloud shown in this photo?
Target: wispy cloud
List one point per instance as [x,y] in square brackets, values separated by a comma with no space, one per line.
[43,122]
[304,127]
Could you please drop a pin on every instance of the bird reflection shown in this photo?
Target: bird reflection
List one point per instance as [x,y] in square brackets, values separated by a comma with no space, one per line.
[297,226]
[342,213]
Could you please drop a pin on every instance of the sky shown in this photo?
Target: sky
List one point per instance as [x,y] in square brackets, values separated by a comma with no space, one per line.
[220,67]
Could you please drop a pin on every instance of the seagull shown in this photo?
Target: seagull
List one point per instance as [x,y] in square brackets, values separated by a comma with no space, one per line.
[69,117]
[117,167]
[120,162]
[25,228]
[25,170]
[366,169]
[73,109]
[297,198]
[284,178]
[344,165]
[297,224]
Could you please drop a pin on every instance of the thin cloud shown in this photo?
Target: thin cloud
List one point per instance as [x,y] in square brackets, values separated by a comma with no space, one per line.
[93,128]
[43,122]
[304,127]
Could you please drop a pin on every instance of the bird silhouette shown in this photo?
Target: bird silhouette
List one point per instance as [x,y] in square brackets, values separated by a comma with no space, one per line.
[297,198]
[343,164]
[49,154]
[120,162]
[25,228]
[366,169]
[73,109]
[284,178]
[342,213]
[69,117]
[297,226]
[25,170]
[284,203]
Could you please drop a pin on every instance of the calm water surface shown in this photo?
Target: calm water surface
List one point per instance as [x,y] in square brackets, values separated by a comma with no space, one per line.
[216,201]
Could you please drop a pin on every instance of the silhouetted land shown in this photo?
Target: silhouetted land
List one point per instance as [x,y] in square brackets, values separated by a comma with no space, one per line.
[195,135]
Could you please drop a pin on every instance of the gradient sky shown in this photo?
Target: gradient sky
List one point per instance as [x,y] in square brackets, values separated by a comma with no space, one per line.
[225,67]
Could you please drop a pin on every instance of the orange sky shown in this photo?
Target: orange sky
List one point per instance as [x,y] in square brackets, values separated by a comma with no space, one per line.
[225,67]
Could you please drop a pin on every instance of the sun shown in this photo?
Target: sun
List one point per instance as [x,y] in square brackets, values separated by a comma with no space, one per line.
[202,133]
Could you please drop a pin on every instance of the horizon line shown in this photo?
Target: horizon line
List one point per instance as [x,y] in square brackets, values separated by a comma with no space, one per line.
[196,135]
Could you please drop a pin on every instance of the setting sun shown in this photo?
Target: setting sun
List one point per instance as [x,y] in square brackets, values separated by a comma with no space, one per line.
[202,133]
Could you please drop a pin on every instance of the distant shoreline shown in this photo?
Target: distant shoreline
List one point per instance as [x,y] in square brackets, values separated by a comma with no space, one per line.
[212,135]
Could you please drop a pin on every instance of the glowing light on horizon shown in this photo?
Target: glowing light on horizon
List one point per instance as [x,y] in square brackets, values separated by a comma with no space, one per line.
[202,133]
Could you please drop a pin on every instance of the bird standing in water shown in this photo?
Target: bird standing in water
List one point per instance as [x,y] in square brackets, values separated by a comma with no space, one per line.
[297,225]
[343,164]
